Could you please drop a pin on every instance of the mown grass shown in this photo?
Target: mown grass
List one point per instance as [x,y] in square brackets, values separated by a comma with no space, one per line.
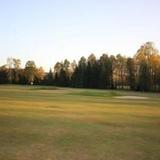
[49,123]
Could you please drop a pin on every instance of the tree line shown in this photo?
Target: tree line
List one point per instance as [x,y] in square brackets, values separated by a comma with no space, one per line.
[140,72]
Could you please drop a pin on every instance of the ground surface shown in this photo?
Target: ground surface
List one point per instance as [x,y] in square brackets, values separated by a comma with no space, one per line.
[48,123]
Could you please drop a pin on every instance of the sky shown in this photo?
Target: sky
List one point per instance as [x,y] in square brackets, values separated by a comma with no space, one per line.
[48,31]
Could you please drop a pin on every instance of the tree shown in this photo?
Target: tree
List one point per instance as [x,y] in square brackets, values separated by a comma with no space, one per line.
[66,65]
[131,73]
[30,71]
[16,66]
[49,79]
[120,71]
[82,66]
[39,75]
[142,72]
[57,67]
[3,74]
[72,68]
[147,58]
[65,73]
[78,76]
[16,63]
[144,77]
[112,66]
[10,69]
[92,72]
[22,76]
[106,71]
[62,74]
[63,78]
[103,77]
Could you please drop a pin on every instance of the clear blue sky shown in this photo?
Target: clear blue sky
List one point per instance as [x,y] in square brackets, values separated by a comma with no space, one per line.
[50,30]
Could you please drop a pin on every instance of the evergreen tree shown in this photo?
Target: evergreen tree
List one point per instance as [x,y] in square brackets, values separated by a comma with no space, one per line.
[131,73]
[144,77]
[49,80]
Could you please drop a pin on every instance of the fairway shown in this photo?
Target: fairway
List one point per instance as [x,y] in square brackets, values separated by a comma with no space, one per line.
[50,123]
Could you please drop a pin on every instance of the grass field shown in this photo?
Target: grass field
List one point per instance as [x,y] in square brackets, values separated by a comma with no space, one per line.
[48,123]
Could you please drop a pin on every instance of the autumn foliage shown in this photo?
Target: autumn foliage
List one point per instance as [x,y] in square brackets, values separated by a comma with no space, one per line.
[140,72]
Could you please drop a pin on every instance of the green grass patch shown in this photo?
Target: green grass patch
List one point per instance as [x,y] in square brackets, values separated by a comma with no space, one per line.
[50,123]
